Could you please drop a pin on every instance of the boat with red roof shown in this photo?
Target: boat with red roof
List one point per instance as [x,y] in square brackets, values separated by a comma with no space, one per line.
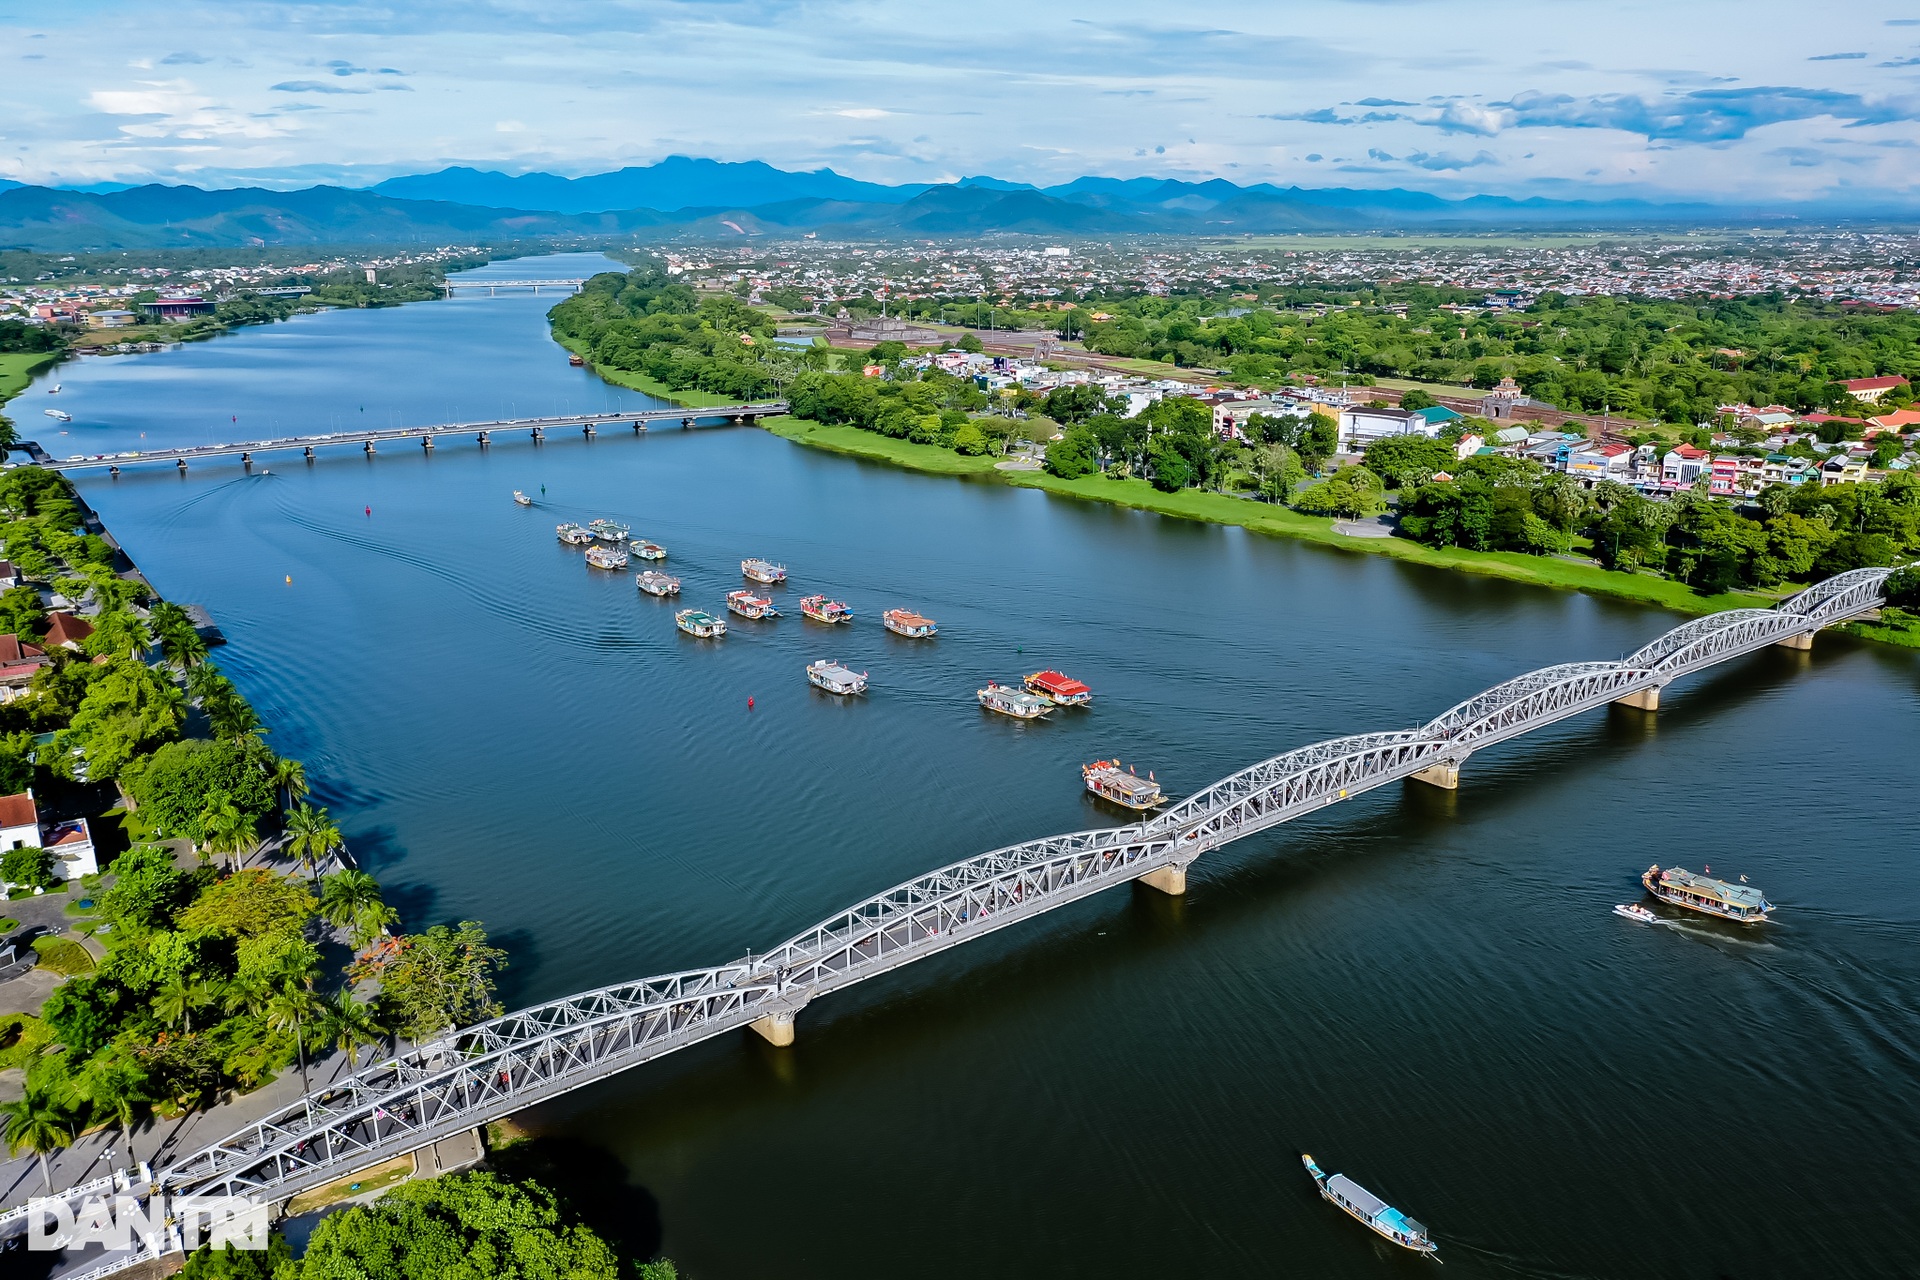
[905,622]
[1061,690]
[821,609]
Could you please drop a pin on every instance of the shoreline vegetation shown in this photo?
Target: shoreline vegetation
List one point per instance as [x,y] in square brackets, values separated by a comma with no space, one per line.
[1268,518]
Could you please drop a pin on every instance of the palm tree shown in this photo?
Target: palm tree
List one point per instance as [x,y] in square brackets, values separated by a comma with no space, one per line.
[247,993]
[185,649]
[205,682]
[176,1003]
[348,1023]
[112,1087]
[38,1123]
[312,838]
[351,900]
[287,1010]
[224,829]
[289,778]
[233,718]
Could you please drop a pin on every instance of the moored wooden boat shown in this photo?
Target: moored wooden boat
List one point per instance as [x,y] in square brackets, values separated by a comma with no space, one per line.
[649,550]
[748,605]
[835,677]
[905,622]
[573,535]
[821,609]
[608,530]
[1364,1206]
[606,558]
[1106,779]
[1009,701]
[1061,690]
[763,571]
[698,622]
[657,584]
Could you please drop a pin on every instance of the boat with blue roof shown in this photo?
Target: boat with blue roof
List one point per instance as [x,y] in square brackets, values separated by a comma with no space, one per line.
[1380,1217]
[1738,902]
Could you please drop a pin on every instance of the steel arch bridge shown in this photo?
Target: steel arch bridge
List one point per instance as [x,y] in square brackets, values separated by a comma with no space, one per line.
[439,1089]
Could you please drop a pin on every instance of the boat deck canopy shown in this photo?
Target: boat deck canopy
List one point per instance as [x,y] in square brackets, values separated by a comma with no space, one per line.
[1744,896]
[1358,1196]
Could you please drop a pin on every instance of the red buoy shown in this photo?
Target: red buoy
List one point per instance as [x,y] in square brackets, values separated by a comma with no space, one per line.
[749,704]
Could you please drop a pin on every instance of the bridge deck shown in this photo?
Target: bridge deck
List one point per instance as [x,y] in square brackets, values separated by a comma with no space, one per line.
[187,453]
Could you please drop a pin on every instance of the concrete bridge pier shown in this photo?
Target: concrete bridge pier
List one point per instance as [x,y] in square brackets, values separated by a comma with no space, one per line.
[638,427]
[1170,880]
[776,1028]
[1645,700]
[113,471]
[586,429]
[246,459]
[1804,641]
[180,463]
[685,423]
[538,435]
[484,441]
[368,449]
[309,453]
[426,443]
[1445,775]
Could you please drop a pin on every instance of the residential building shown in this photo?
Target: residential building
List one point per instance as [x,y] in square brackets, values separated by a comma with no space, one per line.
[19,663]
[1601,462]
[1361,426]
[9,576]
[19,822]
[1843,468]
[1871,389]
[111,319]
[71,845]
[1781,468]
[67,630]
[1900,422]
[1682,466]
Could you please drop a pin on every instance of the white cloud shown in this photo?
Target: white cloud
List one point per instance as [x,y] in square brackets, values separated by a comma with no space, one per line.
[175,109]
[863,113]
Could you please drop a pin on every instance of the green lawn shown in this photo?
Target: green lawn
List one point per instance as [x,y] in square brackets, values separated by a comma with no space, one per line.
[1431,388]
[17,370]
[856,443]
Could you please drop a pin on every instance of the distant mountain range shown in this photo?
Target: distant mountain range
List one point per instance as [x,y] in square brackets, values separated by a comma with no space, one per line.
[708,199]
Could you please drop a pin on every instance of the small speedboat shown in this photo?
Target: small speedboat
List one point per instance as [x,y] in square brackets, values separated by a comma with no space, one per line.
[1381,1218]
[54,390]
[1634,911]
[522,498]
[59,416]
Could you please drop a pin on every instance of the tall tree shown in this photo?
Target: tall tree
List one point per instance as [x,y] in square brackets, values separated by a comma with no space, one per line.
[312,838]
[38,1123]
[347,1024]
[351,900]
[293,1008]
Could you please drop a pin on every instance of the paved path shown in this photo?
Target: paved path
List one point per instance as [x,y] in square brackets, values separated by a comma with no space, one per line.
[1372,527]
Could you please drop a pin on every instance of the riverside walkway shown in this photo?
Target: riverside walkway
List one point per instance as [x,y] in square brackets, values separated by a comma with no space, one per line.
[587,425]
[442,1088]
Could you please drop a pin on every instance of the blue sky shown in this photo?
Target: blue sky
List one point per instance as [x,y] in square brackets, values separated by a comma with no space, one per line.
[1697,99]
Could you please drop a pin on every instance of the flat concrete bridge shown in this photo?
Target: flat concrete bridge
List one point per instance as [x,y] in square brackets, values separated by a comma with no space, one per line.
[438,1090]
[585,425]
[494,286]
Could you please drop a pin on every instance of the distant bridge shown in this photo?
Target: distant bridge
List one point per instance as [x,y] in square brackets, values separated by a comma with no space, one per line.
[586,424]
[493,286]
[469,1077]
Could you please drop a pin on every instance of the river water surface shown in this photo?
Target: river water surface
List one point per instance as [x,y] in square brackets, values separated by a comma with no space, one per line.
[1428,991]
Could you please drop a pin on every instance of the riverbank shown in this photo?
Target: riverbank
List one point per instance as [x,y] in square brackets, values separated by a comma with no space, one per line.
[1278,521]
[641,382]
[18,368]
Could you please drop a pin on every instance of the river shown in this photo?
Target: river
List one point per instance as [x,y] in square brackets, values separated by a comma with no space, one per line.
[1426,990]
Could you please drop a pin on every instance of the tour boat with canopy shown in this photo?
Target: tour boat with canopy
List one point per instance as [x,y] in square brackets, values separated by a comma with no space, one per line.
[1061,690]
[608,530]
[698,622]
[573,535]
[1379,1216]
[658,584]
[1009,701]
[522,498]
[836,677]
[649,550]
[1739,902]
[606,557]
[905,622]
[763,571]
[1106,779]
[821,609]
[748,605]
